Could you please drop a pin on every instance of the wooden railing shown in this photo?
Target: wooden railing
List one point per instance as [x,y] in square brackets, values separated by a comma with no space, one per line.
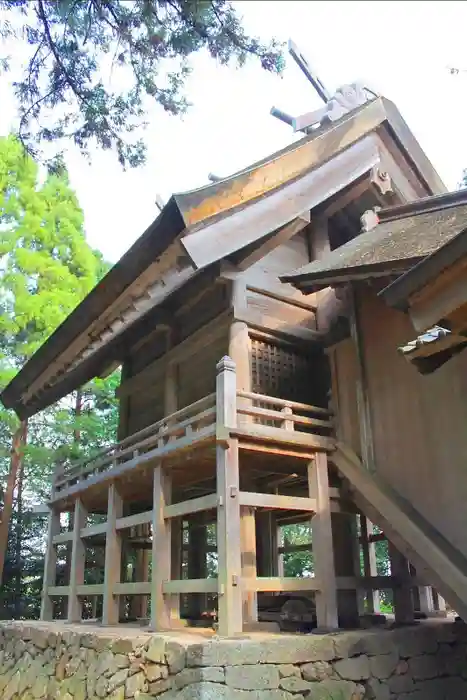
[189,424]
[267,418]
[282,413]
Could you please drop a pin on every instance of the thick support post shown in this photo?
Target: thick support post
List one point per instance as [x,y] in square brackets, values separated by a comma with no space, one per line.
[228,509]
[248,556]
[326,597]
[176,539]
[344,535]
[266,538]
[240,345]
[50,565]
[425,598]
[113,557]
[78,560]
[197,564]
[403,600]
[369,562]
[161,550]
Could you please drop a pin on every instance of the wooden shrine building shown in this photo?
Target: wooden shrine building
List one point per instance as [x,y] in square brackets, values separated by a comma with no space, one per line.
[253,396]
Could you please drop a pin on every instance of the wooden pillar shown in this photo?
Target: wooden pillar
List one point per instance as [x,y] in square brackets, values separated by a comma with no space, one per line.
[176,538]
[322,542]
[228,509]
[78,560]
[266,539]
[197,564]
[425,599]
[161,550]
[50,565]
[363,401]
[113,558]
[344,536]
[369,562]
[402,594]
[248,557]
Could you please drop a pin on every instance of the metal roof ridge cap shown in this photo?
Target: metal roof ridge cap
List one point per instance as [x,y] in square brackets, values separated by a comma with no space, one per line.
[426,205]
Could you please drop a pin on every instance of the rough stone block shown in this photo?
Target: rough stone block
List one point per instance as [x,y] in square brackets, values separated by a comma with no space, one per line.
[155,650]
[377,690]
[356,668]
[134,683]
[423,667]
[382,667]
[286,670]
[347,644]
[400,684]
[293,684]
[416,641]
[153,672]
[225,653]
[252,677]
[336,690]
[175,657]
[317,671]
[299,650]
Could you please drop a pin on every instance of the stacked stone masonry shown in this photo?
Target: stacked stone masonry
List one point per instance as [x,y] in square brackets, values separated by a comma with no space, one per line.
[56,662]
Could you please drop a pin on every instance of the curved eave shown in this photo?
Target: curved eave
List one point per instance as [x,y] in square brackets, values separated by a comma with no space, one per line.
[154,241]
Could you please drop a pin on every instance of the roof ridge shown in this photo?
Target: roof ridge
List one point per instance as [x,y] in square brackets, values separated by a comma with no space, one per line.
[437,202]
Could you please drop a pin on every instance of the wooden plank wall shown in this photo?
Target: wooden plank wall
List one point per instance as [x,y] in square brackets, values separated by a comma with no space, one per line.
[418,422]
[195,371]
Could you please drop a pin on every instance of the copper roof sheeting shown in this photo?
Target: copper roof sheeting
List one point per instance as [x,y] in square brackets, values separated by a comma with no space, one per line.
[392,245]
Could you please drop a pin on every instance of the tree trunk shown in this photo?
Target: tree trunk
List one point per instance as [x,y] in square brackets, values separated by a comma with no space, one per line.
[19,441]
[78,411]
[19,542]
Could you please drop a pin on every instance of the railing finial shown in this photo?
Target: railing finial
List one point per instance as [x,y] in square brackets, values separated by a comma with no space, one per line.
[226,364]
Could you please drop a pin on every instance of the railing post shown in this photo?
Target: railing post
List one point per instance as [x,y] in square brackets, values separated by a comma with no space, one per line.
[78,556]
[113,556]
[322,542]
[228,508]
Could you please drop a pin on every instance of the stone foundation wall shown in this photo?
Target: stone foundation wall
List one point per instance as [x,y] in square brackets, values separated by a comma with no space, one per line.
[57,662]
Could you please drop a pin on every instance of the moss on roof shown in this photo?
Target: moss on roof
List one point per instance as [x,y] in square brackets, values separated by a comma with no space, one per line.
[390,242]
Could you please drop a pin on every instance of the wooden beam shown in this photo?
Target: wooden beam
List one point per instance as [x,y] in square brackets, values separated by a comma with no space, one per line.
[134,520]
[271,500]
[369,562]
[161,550]
[63,537]
[78,559]
[50,565]
[58,591]
[248,559]
[200,585]
[194,505]
[402,594]
[228,512]
[133,588]
[285,437]
[281,584]
[90,589]
[113,555]
[93,530]
[254,252]
[318,487]
[363,399]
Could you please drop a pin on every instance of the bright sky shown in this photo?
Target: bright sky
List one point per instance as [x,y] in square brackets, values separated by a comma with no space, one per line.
[401,49]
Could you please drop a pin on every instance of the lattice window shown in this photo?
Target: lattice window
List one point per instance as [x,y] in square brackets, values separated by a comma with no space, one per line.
[281,372]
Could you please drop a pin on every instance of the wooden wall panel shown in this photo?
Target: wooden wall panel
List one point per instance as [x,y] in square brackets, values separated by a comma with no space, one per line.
[283,259]
[418,422]
[197,374]
[343,362]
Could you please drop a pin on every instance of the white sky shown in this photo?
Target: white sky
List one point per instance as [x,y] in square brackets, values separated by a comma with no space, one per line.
[402,49]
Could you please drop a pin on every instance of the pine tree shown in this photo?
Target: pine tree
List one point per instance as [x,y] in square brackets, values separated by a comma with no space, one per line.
[144,44]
